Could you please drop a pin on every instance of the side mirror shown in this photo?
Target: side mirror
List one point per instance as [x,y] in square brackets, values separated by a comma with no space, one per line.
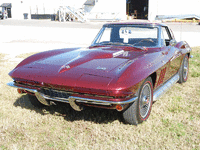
[172,42]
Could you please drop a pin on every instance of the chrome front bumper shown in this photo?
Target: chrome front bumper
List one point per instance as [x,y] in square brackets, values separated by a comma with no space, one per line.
[71,99]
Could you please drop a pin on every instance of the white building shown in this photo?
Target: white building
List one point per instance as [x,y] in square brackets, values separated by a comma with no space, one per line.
[102,9]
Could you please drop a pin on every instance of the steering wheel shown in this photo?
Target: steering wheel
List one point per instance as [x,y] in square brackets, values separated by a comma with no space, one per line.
[149,40]
[140,42]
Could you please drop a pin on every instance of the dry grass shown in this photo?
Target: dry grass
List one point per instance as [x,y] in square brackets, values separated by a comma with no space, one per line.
[26,55]
[174,122]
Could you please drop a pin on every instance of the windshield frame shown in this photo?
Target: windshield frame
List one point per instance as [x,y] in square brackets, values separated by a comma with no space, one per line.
[100,33]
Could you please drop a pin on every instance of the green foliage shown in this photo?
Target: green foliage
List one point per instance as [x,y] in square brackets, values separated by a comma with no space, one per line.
[195,74]
[178,129]
[2,147]
[50,144]
[166,122]
[195,63]
[175,105]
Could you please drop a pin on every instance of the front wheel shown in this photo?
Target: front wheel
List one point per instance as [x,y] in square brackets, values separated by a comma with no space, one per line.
[139,110]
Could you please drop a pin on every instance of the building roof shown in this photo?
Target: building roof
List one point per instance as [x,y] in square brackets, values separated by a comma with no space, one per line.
[90,2]
[8,5]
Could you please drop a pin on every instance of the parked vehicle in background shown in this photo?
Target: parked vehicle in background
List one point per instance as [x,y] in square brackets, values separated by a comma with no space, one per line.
[1,15]
[127,67]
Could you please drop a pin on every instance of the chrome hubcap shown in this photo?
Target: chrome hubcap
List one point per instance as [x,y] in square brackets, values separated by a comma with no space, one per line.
[145,100]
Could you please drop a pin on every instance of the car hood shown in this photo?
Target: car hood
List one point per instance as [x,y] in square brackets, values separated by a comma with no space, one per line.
[82,67]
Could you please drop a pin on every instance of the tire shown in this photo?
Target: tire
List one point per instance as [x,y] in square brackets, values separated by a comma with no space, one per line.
[140,110]
[34,101]
[184,70]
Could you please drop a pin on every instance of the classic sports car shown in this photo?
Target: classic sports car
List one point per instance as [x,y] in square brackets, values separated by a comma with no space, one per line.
[127,67]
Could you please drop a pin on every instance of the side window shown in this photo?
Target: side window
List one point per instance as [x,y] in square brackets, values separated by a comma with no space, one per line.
[106,35]
[165,36]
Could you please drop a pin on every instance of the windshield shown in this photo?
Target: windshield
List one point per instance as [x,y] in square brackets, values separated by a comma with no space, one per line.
[128,36]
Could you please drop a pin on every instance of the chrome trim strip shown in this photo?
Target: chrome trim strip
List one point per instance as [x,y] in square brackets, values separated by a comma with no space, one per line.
[78,99]
[12,84]
[164,88]
[94,101]
[55,98]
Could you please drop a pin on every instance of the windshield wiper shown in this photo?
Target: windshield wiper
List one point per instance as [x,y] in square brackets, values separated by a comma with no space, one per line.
[106,43]
[116,43]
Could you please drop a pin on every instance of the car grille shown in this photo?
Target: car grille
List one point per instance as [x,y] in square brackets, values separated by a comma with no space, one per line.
[55,93]
[65,95]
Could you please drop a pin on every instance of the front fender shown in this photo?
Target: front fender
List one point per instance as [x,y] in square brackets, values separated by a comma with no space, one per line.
[134,75]
[43,55]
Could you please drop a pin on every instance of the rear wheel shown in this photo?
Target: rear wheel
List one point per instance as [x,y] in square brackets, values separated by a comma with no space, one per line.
[34,101]
[139,111]
[183,72]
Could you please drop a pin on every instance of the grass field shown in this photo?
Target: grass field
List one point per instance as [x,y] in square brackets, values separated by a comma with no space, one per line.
[174,122]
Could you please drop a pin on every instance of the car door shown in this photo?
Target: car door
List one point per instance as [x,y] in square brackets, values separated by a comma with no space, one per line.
[173,54]
[175,60]
[164,57]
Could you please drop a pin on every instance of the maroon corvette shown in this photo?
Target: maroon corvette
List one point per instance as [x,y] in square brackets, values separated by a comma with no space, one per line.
[127,67]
